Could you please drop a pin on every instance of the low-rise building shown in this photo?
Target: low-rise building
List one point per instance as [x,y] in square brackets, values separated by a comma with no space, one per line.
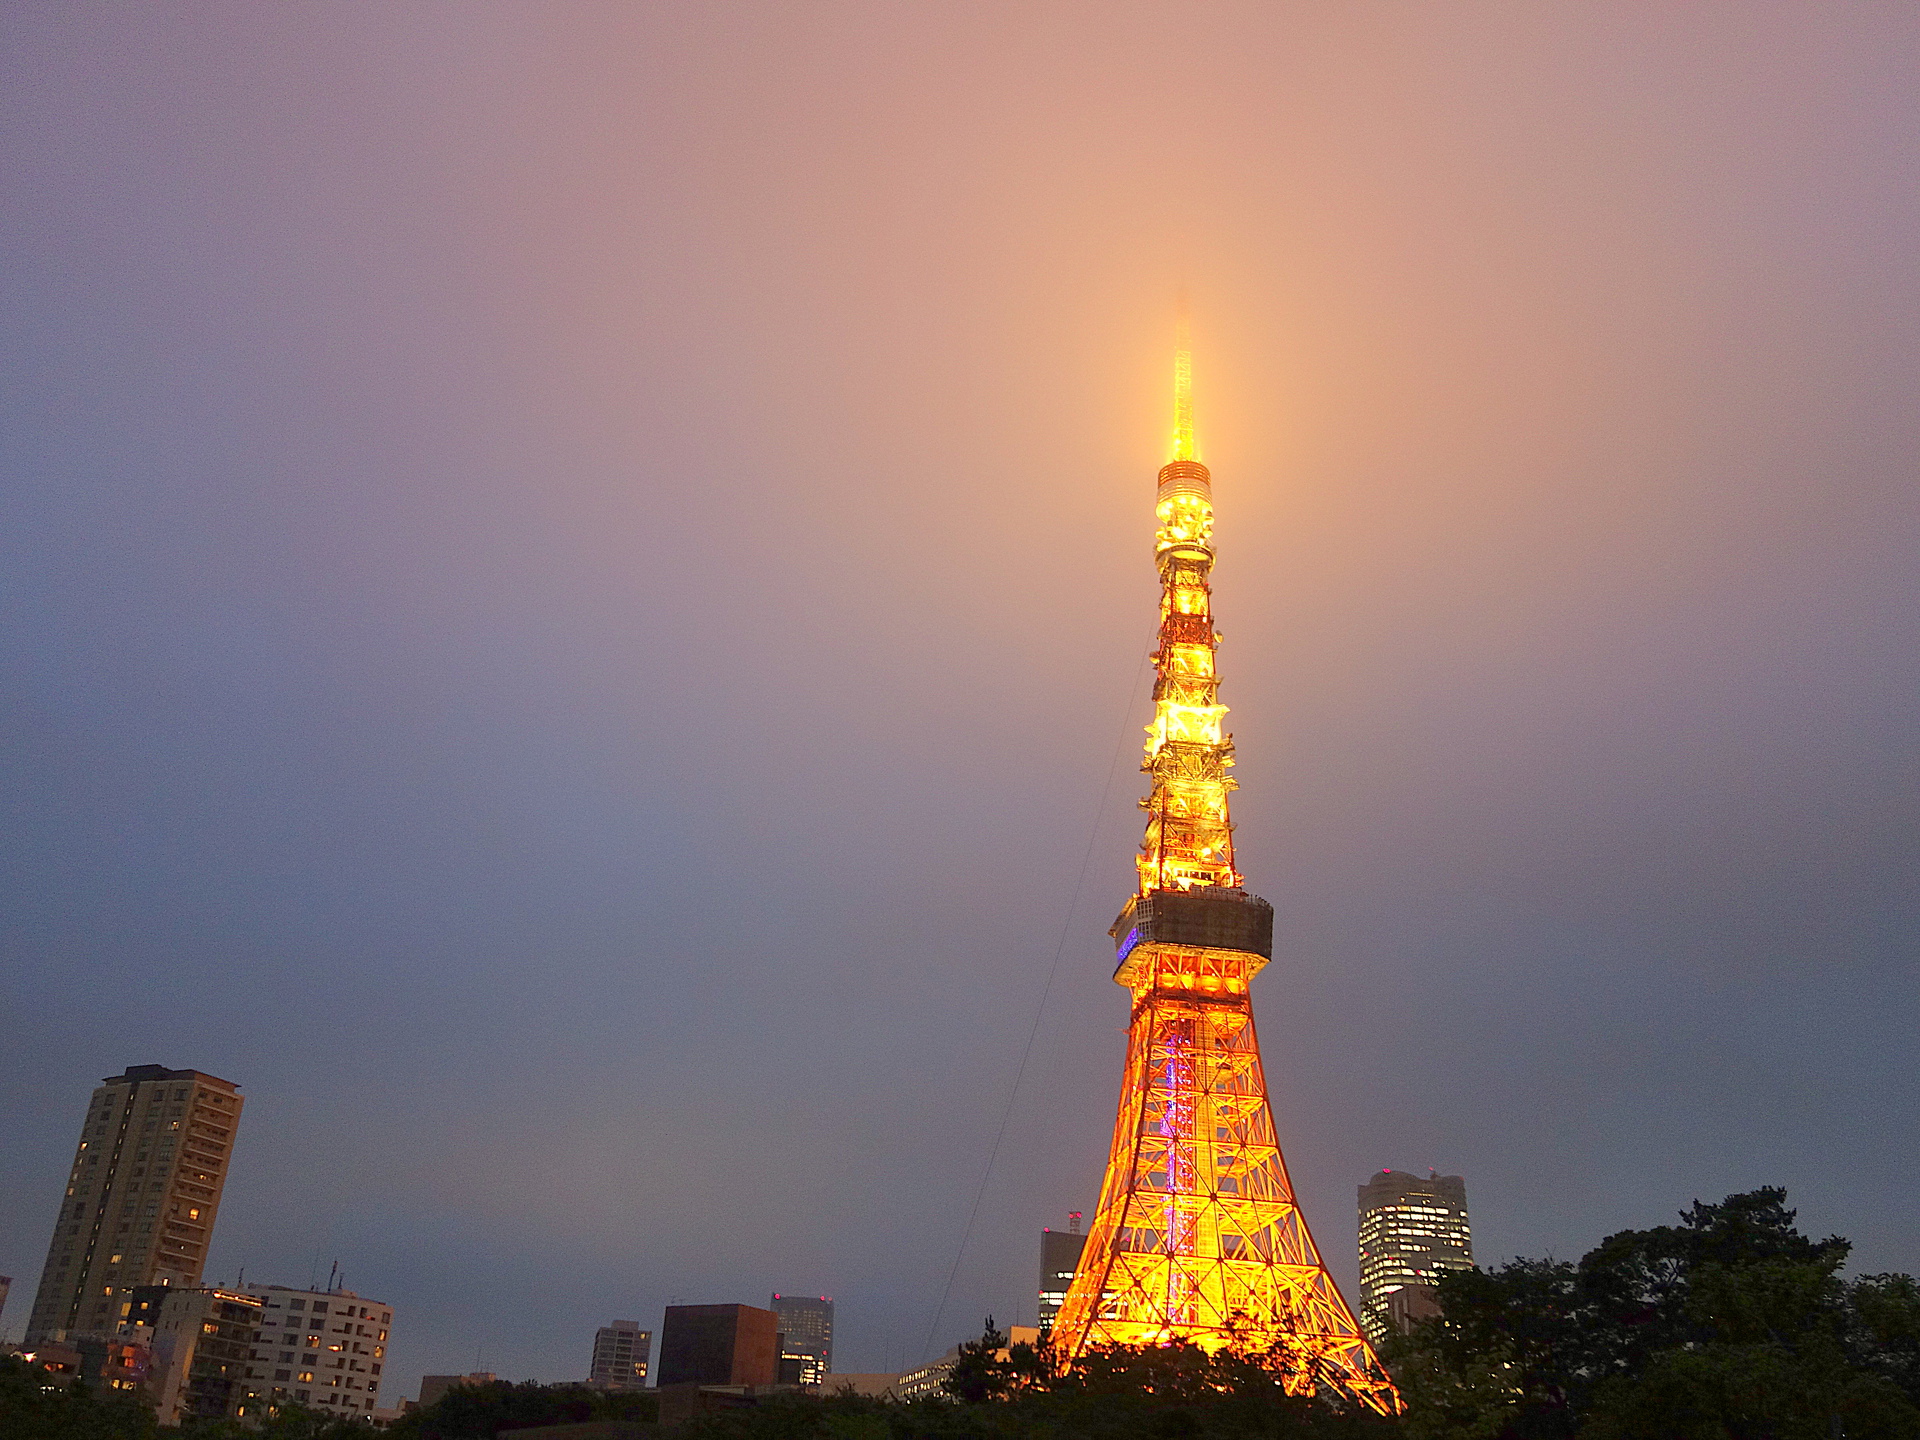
[620,1355]
[324,1349]
[56,1358]
[930,1379]
[873,1384]
[121,1363]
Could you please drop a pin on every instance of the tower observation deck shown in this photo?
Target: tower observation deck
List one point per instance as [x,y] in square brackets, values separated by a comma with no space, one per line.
[1198,1235]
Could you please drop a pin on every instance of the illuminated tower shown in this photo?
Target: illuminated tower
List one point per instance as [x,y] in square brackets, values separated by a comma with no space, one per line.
[1198,1235]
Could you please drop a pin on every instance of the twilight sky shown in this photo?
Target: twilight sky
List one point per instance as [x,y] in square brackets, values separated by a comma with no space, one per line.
[576,580]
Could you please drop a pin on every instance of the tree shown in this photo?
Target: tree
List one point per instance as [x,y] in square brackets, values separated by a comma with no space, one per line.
[37,1406]
[1731,1325]
[982,1372]
[479,1412]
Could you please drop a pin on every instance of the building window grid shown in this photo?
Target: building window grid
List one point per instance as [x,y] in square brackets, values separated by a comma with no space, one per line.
[1406,1242]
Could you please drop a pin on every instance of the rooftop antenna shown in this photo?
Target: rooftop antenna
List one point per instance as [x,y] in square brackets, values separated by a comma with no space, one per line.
[1073,1222]
[330,1274]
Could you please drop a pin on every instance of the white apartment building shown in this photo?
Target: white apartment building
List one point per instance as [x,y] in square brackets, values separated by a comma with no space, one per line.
[324,1349]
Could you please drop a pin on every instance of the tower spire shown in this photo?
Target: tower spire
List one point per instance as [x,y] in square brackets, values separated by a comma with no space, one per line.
[1189,838]
[1183,395]
[1198,1235]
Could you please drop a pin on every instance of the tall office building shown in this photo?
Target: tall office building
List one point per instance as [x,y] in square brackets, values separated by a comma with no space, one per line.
[141,1197]
[1411,1228]
[620,1354]
[324,1349]
[1059,1258]
[806,1329]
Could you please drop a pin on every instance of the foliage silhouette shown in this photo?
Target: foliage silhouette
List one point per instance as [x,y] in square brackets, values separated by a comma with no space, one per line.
[1731,1325]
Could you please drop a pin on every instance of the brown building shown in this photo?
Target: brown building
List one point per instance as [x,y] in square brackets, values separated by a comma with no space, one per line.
[119,1364]
[140,1200]
[719,1345]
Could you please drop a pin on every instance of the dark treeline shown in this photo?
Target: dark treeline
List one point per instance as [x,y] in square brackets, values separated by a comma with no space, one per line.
[33,1407]
[1731,1325]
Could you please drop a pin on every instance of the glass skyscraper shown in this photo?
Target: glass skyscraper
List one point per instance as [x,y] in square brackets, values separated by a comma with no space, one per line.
[1411,1228]
[806,1322]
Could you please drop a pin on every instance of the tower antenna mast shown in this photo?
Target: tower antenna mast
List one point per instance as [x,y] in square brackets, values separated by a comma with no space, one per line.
[1183,447]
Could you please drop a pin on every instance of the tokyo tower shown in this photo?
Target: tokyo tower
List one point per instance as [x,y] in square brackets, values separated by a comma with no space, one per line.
[1198,1235]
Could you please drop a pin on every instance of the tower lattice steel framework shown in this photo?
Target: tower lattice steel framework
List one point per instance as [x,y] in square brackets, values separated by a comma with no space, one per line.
[1198,1235]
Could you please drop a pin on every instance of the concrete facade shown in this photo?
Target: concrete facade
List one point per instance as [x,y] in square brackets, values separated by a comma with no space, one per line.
[620,1355]
[200,1340]
[325,1349]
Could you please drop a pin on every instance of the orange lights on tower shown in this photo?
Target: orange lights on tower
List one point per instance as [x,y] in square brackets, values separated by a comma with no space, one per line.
[1198,1235]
